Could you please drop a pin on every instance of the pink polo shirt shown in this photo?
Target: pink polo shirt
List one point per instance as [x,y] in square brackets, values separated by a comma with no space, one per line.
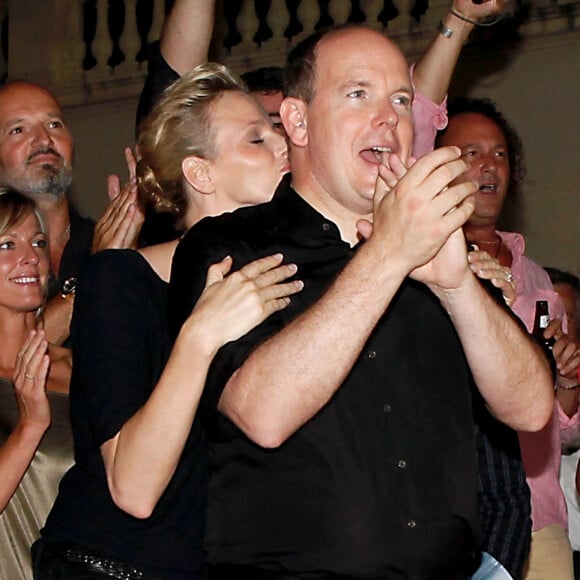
[540,451]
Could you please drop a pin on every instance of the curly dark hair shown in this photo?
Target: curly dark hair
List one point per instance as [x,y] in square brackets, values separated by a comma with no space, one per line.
[267,79]
[488,108]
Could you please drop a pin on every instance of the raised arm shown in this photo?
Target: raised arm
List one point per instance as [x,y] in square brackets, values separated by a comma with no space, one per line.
[187,33]
[156,434]
[433,71]
[508,366]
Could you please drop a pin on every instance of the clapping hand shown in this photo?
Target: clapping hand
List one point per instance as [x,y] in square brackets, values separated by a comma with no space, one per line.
[30,376]
[488,268]
[120,225]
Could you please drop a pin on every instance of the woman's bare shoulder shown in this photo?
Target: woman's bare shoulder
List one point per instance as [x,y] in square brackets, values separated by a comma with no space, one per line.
[159,258]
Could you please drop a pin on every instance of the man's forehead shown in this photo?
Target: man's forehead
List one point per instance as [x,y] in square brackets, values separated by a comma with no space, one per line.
[472,125]
[25,100]
[356,55]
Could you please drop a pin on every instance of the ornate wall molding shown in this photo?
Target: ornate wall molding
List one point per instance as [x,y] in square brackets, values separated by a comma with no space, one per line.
[99,53]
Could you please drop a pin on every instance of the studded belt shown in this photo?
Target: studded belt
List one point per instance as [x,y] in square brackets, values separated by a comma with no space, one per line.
[89,561]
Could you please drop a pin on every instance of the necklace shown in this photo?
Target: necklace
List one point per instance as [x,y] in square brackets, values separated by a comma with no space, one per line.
[488,243]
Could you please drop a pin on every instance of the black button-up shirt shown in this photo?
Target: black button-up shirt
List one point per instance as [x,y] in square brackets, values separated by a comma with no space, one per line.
[382,482]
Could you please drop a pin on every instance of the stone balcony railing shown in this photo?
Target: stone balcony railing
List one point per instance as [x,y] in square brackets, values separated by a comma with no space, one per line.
[91,51]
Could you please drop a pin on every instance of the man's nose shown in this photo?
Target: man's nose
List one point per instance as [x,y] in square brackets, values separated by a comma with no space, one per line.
[488,163]
[42,136]
[387,116]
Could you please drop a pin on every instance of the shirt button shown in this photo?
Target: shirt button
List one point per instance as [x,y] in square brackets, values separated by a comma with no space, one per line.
[402,464]
[325,227]
[372,354]
[411,524]
[387,408]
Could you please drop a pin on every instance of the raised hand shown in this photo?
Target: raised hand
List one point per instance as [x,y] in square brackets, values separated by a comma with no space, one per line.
[120,225]
[391,172]
[565,351]
[232,305]
[488,268]
[418,221]
[30,376]
[484,10]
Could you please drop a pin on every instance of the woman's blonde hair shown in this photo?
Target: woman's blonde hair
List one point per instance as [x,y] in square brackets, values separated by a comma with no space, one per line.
[14,209]
[179,126]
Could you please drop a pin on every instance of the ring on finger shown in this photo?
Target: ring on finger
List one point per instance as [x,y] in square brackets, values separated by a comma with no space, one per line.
[509,277]
[29,377]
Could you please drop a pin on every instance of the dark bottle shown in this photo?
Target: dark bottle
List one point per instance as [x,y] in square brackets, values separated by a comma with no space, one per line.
[541,321]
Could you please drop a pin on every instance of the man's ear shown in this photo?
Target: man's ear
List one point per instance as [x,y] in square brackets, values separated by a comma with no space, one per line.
[294,117]
[197,172]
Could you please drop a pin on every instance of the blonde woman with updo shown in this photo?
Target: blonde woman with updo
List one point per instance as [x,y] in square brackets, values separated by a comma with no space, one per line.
[133,504]
[34,381]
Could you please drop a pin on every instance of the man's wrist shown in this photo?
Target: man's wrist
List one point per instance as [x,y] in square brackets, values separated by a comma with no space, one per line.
[463,291]
[484,20]
[458,27]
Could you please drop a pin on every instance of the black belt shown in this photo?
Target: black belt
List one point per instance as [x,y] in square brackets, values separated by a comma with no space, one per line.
[87,560]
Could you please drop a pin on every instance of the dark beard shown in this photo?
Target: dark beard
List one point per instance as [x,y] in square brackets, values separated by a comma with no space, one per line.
[54,182]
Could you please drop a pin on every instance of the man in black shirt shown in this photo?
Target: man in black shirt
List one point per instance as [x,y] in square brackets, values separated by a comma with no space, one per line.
[343,445]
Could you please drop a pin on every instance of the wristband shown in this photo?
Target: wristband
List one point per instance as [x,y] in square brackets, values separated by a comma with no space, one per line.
[444,30]
[68,288]
[484,22]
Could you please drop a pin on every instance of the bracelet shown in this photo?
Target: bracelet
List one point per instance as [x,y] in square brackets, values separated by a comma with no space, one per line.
[491,22]
[68,288]
[564,388]
[444,30]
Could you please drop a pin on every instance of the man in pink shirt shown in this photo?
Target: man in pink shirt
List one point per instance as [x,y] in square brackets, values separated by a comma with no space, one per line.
[495,153]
